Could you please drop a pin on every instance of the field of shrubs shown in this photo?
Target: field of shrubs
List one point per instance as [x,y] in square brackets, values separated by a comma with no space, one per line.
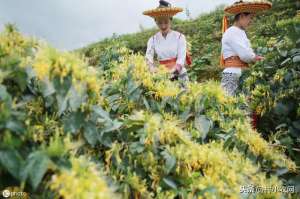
[75,125]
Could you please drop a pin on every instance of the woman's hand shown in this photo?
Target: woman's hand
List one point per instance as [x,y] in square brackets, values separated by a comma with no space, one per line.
[178,68]
[259,58]
[153,69]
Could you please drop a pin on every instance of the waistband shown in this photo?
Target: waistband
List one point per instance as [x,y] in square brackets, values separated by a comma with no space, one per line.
[235,61]
[169,63]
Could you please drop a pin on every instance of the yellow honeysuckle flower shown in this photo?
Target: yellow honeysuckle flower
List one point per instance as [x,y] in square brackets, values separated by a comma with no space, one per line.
[82,181]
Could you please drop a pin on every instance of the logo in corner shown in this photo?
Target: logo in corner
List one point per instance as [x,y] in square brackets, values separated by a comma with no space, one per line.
[6,193]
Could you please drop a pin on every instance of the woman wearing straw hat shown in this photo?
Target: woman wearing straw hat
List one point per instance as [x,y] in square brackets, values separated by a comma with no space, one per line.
[237,53]
[167,44]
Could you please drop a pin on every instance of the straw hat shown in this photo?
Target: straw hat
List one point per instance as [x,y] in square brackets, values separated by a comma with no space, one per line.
[164,10]
[254,6]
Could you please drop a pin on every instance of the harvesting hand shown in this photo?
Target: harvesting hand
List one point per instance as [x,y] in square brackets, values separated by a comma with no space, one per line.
[178,68]
[153,69]
[259,58]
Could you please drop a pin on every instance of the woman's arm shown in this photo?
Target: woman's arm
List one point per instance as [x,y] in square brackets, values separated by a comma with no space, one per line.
[150,54]
[181,54]
[245,52]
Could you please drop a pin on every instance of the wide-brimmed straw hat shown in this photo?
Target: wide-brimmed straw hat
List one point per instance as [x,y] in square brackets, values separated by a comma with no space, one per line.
[163,10]
[254,6]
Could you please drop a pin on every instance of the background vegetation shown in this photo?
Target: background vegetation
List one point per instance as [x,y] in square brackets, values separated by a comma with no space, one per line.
[204,36]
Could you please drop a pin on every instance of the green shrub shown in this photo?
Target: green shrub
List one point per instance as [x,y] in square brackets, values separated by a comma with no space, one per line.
[69,130]
[273,87]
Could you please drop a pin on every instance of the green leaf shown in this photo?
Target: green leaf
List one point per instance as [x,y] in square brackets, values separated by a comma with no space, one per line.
[283,53]
[281,171]
[30,73]
[186,114]
[20,78]
[62,87]
[100,112]
[3,75]
[11,160]
[4,95]
[76,98]
[170,161]
[73,122]
[281,109]
[47,88]
[170,182]
[146,103]
[115,106]
[200,104]
[203,125]
[285,61]
[62,103]
[105,139]
[296,59]
[296,124]
[113,98]
[115,125]
[295,180]
[137,147]
[136,95]
[15,126]
[287,141]
[49,101]
[132,86]
[264,50]
[35,168]
[229,142]
[90,133]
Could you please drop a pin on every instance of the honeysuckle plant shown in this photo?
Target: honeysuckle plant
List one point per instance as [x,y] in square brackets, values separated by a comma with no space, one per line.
[71,130]
[273,87]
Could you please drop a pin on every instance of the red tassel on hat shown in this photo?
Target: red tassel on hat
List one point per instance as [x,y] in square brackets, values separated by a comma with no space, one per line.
[224,24]
[224,28]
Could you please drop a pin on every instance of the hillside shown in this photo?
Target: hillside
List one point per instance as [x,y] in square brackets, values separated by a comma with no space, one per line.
[204,35]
